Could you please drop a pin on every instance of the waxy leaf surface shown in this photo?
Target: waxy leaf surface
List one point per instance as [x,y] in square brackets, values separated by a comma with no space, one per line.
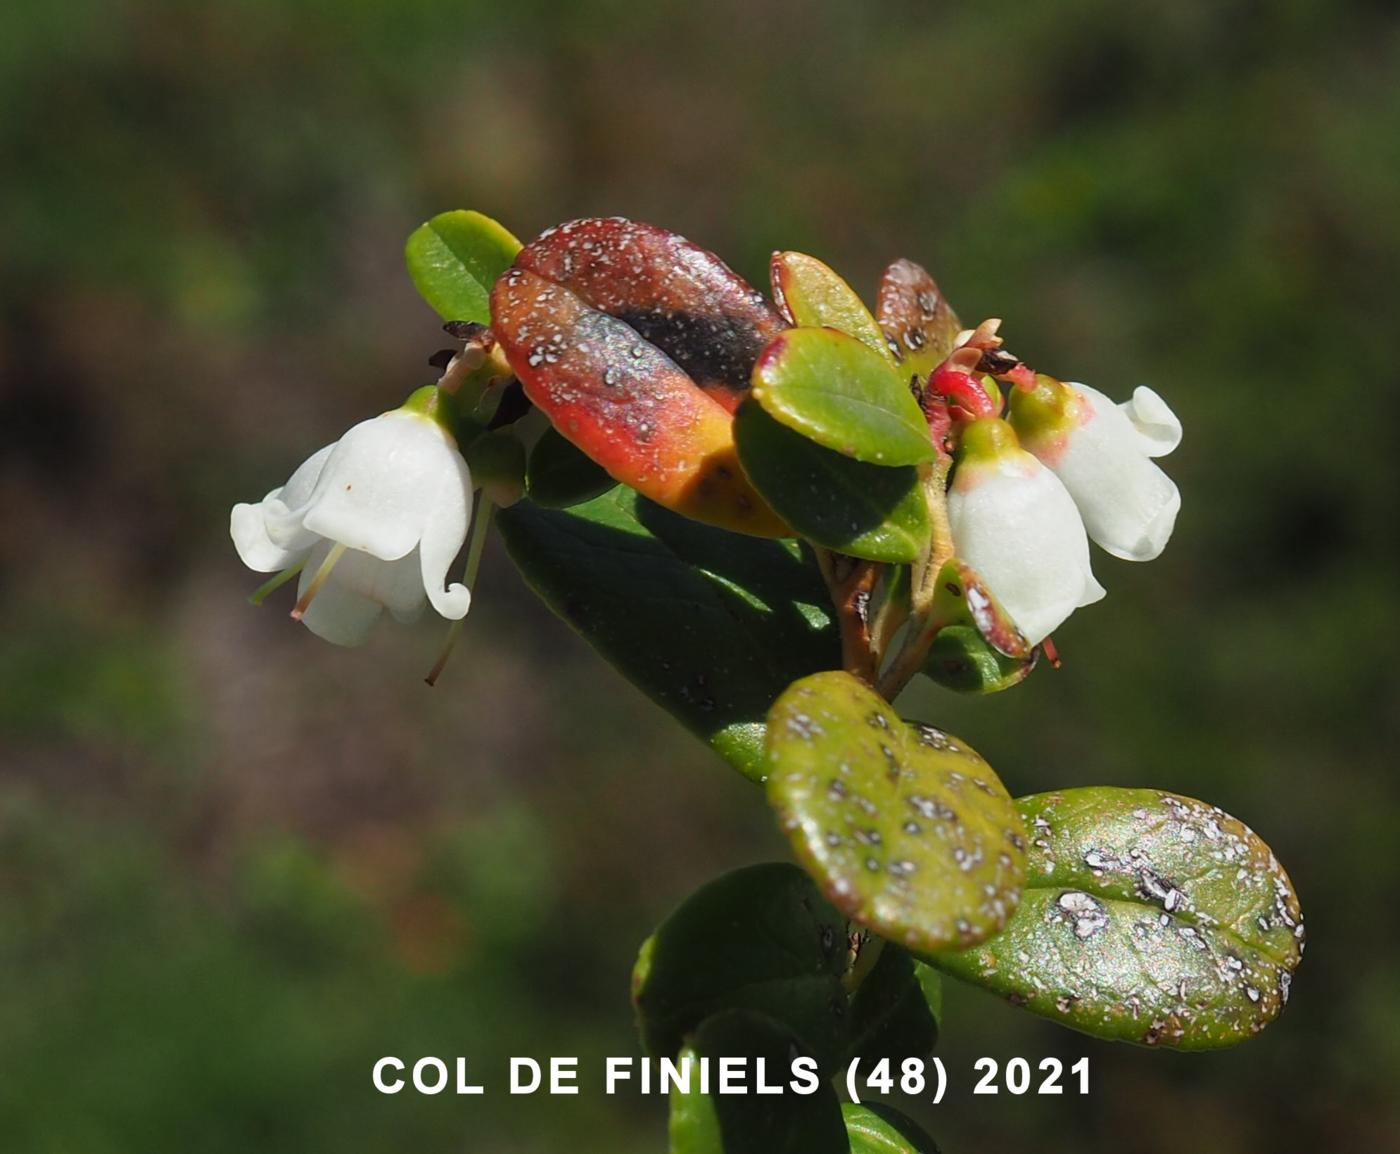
[1147,917]
[678,296]
[760,938]
[455,258]
[909,832]
[880,1129]
[845,396]
[916,318]
[625,403]
[741,617]
[862,510]
[811,294]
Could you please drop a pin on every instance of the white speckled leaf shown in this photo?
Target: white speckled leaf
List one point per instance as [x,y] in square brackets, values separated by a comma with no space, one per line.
[908,831]
[1147,917]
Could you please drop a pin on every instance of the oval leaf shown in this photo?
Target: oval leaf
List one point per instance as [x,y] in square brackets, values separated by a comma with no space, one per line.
[907,829]
[761,938]
[861,510]
[742,616]
[559,475]
[455,258]
[625,403]
[843,395]
[810,293]
[1147,917]
[916,318]
[678,296]
[881,1129]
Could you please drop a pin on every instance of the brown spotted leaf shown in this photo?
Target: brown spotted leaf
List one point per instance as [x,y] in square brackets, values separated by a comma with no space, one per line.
[908,831]
[1147,917]
[678,296]
[625,403]
[916,318]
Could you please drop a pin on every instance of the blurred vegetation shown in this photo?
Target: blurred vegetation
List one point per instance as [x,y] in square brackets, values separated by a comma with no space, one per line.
[236,866]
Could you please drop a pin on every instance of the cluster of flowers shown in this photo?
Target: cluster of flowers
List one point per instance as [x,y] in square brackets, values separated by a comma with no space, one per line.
[1044,471]
[375,520]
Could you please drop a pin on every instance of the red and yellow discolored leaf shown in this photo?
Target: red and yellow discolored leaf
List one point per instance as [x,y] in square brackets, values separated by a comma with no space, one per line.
[680,297]
[625,403]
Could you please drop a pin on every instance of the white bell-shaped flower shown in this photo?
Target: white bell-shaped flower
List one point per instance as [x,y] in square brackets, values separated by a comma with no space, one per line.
[373,522]
[1103,453]
[1014,522]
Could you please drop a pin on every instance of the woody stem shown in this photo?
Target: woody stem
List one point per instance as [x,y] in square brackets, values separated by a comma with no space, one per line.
[851,581]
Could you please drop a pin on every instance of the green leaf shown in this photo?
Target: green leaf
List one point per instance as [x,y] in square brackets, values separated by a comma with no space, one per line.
[839,392]
[962,659]
[1147,917]
[916,317]
[890,1015]
[560,475]
[761,938]
[455,258]
[978,648]
[859,509]
[909,832]
[753,1123]
[813,295]
[741,616]
[881,1129]
[694,1126]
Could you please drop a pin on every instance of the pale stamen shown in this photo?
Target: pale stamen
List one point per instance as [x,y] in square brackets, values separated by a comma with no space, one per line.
[319,579]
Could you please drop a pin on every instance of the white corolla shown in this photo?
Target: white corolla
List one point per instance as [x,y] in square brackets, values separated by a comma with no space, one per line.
[1104,455]
[372,522]
[1015,523]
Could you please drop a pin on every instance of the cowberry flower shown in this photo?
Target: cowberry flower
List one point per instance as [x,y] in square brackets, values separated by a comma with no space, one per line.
[1103,453]
[1014,522]
[371,522]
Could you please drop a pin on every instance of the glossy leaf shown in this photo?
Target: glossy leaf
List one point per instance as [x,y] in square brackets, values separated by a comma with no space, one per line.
[1147,917]
[858,509]
[812,294]
[978,648]
[455,258]
[754,1123]
[843,395]
[916,318]
[677,296]
[890,1015]
[908,831]
[625,403]
[559,475]
[879,1129]
[760,938]
[741,616]
[962,659]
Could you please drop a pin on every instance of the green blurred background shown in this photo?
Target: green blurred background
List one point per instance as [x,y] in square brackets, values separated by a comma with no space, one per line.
[237,865]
